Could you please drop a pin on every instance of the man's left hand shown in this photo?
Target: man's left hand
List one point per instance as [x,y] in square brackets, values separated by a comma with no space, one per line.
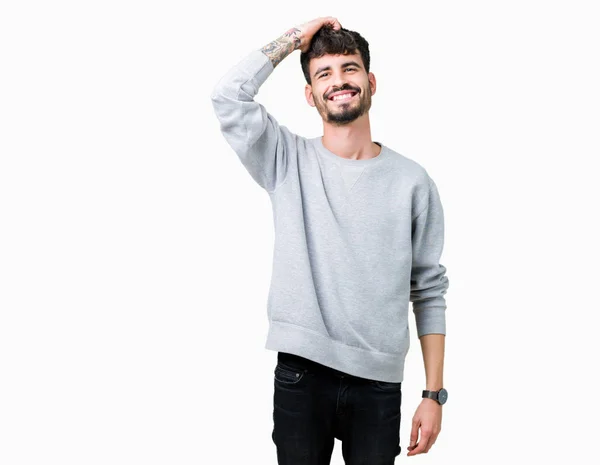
[427,418]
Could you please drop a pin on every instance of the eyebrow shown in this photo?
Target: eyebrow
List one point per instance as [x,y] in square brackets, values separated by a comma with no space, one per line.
[324,68]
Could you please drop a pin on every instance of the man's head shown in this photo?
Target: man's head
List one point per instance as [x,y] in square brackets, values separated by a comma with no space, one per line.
[338,62]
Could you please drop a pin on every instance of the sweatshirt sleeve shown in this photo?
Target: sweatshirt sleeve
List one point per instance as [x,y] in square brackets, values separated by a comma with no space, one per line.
[254,134]
[428,282]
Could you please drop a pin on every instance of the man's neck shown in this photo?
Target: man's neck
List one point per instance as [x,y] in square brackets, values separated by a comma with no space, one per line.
[351,141]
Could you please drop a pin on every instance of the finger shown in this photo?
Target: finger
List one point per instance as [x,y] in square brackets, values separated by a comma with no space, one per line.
[419,449]
[334,22]
[414,434]
[422,445]
[431,442]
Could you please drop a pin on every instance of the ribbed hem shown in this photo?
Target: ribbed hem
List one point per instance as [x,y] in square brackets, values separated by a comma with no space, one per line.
[293,339]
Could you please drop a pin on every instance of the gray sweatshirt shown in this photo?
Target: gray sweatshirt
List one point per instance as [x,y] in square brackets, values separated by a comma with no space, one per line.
[355,240]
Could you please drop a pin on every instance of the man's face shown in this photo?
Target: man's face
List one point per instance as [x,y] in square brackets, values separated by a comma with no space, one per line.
[340,74]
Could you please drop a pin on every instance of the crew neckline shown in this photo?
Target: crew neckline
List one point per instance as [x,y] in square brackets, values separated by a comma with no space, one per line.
[318,142]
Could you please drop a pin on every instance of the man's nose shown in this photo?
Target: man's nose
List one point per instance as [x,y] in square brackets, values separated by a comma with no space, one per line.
[339,79]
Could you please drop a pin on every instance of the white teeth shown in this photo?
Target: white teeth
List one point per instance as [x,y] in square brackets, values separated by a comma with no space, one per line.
[340,97]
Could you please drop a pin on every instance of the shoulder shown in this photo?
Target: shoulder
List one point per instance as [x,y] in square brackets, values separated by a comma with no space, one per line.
[409,167]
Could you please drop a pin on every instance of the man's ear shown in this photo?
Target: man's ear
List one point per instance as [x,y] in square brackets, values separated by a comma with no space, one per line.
[373,83]
[309,96]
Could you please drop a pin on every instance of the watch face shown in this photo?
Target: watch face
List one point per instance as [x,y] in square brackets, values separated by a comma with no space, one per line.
[442,396]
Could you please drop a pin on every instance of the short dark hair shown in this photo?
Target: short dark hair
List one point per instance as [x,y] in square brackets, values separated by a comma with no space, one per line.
[328,41]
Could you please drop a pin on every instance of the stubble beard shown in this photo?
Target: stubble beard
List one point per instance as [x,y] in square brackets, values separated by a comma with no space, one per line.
[347,112]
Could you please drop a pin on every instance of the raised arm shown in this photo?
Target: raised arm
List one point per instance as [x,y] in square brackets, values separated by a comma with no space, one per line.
[297,38]
[282,46]
[261,143]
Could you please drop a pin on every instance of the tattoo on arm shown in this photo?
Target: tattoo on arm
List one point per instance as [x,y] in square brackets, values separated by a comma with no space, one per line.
[282,46]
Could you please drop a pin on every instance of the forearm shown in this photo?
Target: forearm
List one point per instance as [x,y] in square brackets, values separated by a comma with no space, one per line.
[432,346]
[282,46]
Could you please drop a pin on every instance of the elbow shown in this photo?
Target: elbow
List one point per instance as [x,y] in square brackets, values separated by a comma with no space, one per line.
[216,94]
[429,304]
[428,284]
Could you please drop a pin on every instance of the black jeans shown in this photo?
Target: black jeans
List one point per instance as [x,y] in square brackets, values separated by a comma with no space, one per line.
[314,404]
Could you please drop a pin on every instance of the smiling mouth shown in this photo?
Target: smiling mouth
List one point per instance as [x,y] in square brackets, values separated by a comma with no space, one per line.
[346,99]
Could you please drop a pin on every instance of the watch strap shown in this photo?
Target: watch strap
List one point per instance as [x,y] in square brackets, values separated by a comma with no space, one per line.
[430,394]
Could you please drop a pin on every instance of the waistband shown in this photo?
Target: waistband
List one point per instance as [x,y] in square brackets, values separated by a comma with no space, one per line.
[302,363]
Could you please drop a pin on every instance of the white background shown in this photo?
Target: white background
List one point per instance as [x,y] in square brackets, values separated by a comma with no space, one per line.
[135,250]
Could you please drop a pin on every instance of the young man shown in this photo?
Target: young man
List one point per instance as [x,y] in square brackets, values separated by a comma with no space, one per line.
[359,231]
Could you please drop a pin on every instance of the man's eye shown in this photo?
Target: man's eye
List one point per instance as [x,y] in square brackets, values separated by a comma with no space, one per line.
[352,69]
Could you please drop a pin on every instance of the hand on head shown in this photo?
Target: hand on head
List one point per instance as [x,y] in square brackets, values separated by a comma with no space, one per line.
[309,29]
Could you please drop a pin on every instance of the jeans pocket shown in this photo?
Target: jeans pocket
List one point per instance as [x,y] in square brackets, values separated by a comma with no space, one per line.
[288,375]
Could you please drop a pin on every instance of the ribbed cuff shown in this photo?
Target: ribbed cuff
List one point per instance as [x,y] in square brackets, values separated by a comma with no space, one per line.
[430,320]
